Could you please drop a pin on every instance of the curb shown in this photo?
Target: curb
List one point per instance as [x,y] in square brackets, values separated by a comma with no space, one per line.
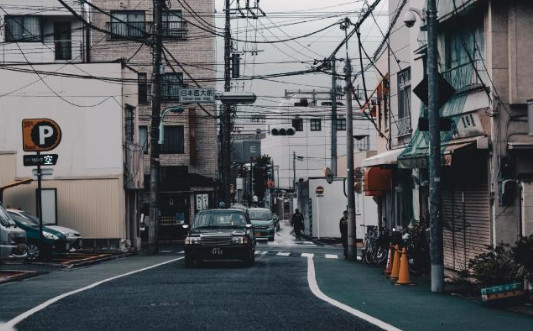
[96,261]
[18,275]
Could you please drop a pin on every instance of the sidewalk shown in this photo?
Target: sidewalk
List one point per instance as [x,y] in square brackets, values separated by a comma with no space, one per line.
[365,288]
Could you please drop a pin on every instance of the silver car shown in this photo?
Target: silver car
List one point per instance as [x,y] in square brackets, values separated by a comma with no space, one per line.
[12,239]
[74,237]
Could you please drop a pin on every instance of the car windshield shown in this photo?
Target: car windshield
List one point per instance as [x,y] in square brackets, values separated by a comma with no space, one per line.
[260,215]
[29,216]
[4,218]
[219,219]
[23,220]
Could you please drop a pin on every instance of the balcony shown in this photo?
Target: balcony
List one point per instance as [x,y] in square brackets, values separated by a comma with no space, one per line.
[134,167]
[463,77]
[141,30]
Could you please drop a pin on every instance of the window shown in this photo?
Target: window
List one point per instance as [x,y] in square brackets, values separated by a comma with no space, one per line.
[62,41]
[404,93]
[143,88]
[143,138]
[316,124]
[363,144]
[129,123]
[258,118]
[341,124]
[127,24]
[23,28]
[173,25]
[170,85]
[298,124]
[174,140]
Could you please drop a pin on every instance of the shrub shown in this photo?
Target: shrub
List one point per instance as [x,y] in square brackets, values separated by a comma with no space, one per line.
[496,267]
[523,254]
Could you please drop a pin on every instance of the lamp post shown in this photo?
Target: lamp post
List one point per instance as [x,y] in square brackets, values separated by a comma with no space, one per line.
[173,109]
[294,158]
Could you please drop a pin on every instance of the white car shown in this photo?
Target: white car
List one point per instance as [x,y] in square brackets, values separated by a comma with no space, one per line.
[74,237]
[12,239]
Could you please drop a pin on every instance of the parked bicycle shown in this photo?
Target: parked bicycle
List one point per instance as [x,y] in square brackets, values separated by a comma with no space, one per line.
[376,245]
[416,240]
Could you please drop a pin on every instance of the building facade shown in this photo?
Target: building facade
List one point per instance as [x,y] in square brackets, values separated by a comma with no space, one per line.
[486,153]
[189,154]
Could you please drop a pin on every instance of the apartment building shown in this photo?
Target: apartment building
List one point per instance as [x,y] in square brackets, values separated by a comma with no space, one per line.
[189,154]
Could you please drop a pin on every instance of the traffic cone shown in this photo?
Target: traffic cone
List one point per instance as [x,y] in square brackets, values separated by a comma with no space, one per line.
[404,278]
[388,267]
[395,264]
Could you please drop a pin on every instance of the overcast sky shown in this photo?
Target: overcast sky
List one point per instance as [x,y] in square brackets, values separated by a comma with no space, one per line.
[283,20]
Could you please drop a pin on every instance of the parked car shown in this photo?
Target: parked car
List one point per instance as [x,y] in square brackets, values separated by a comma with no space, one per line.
[263,223]
[74,237]
[220,234]
[12,238]
[53,241]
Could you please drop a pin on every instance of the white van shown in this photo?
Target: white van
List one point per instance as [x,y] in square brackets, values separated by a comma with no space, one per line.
[12,238]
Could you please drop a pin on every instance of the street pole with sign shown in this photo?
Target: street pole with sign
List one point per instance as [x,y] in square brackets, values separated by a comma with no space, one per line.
[40,135]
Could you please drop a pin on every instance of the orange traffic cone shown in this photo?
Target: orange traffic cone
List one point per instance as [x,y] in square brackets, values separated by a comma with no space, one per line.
[388,267]
[395,264]
[404,278]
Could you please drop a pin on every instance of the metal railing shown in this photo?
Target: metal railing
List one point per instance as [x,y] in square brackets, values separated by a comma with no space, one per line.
[141,30]
[464,75]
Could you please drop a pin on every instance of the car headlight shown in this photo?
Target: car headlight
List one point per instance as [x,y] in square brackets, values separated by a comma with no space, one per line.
[241,240]
[50,236]
[193,241]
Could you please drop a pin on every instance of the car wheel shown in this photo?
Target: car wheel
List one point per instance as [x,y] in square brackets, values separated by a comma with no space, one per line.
[33,251]
[189,261]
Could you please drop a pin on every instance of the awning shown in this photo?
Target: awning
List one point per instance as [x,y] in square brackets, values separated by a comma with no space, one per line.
[377,181]
[417,155]
[388,157]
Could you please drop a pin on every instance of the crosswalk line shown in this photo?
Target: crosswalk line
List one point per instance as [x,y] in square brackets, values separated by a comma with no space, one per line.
[308,254]
[283,254]
[260,252]
[332,256]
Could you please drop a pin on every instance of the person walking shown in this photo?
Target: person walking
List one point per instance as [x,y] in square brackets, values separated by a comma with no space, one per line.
[343,227]
[297,221]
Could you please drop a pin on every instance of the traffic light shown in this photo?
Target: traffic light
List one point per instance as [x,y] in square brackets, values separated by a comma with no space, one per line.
[283,132]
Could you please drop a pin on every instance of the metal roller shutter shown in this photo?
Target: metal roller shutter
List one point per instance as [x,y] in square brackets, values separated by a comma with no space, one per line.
[465,212]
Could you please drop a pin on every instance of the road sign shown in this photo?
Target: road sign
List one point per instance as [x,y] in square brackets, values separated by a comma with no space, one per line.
[319,191]
[40,135]
[45,172]
[43,160]
[197,95]
[446,91]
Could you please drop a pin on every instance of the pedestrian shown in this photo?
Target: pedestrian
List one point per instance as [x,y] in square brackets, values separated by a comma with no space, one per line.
[343,227]
[297,221]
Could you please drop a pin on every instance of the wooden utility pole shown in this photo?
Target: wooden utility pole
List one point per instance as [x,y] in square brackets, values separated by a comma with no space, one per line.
[153,225]
[226,113]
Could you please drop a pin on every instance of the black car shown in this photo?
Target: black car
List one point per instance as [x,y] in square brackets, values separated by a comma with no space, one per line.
[218,234]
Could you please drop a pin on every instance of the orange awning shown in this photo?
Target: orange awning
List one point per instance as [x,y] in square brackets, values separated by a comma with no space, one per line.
[377,181]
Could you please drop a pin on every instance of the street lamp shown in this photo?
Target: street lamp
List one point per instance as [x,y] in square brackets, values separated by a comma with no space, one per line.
[173,109]
[294,158]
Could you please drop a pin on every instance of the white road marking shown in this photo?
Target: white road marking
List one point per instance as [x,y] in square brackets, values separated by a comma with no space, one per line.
[308,254]
[11,323]
[283,254]
[332,256]
[311,279]
[260,252]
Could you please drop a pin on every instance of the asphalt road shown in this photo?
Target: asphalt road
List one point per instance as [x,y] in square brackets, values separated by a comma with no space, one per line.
[274,294]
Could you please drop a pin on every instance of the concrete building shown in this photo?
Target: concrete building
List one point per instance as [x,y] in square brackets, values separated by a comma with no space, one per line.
[189,156]
[484,49]
[98,176]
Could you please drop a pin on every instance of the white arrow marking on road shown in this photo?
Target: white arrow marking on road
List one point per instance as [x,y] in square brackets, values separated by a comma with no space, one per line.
[311,279]
[11,323]
[332,256]
[308,254]
[283,254]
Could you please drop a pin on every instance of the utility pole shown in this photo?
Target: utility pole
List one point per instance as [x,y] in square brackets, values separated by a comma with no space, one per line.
[154,128]
[294,171]
[333,117]
[352,249]
[226,113]
[435,221]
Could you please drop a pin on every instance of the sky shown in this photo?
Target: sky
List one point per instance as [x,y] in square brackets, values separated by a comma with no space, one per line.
[290,18]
